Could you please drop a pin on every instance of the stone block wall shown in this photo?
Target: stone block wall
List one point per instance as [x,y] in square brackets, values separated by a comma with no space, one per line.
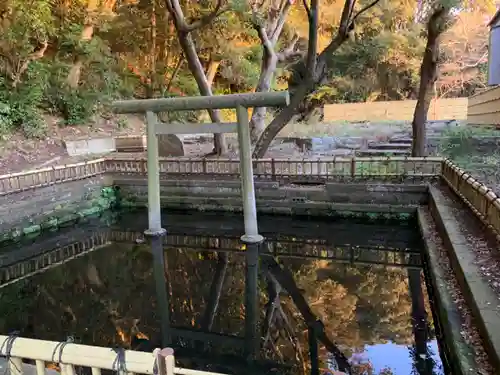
[272,197]
[35,206]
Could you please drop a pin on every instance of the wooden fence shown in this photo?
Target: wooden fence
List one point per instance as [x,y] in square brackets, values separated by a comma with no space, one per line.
[401,110]
[484,108]
[50,259]
[37,178]
[481,199]
[292,170]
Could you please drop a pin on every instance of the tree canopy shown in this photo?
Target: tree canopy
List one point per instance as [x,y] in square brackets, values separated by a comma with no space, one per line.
[71,57]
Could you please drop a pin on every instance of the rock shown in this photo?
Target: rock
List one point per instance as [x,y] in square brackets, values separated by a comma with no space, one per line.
[170,145]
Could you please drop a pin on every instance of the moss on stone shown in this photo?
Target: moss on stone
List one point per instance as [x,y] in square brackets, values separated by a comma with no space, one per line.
[63,215]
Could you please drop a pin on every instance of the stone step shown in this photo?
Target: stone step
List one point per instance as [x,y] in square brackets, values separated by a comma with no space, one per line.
[372,152]
[401,140]
[388,146]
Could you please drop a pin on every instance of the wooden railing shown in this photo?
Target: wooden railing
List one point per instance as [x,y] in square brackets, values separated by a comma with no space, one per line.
[69,356]
[42,262]
[286,169]
[265,169]
[36,178]
[481,200]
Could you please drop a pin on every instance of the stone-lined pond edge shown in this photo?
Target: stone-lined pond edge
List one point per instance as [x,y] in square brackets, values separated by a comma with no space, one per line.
[481,299]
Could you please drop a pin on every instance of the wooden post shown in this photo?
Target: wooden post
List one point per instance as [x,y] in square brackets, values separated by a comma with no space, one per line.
[252,337]
[154,207]
[246,173]
[155,232]
[165,361]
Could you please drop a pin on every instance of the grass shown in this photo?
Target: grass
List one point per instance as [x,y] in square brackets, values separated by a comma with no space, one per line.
[460,147]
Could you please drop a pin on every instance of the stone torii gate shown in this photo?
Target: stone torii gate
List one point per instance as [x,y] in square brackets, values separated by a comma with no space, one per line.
[155,231]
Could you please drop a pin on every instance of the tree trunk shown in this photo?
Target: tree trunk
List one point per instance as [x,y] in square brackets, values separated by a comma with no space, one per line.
[268,68]
[314,69]
[285,279]
[196,68]
[215,293]
[279,122]
[75,72]
[213,67]
[152,54]
[428,76]
[94,7]
[423,362]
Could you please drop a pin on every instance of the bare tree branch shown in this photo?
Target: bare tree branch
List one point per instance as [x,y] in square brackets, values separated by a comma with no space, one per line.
[290,52]
[264,40]
[38,54]
[306,7]
[280,21]
[371,5]
[205,20]
[175,10]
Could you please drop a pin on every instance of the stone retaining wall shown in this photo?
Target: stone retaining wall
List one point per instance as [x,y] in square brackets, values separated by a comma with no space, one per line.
[35,210]
[276,198]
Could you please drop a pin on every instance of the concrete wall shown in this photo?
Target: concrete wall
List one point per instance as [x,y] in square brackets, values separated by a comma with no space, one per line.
[400,110]
[484,107]
[275,198]
[28,206]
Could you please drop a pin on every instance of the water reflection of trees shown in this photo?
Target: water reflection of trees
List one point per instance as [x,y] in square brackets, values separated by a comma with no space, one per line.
[101,297]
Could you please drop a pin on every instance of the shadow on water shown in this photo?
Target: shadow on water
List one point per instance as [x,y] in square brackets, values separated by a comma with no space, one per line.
[318,296]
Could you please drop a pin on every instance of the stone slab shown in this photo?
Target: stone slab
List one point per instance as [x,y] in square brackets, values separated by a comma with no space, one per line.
[134,143]
[462,353]
[170,145]
[479,296]
[90,146]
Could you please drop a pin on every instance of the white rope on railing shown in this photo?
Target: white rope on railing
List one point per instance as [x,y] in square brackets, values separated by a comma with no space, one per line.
[68,355]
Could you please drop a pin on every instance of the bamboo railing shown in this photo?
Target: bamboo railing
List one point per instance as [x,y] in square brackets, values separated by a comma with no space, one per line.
[483,201]
[69,356]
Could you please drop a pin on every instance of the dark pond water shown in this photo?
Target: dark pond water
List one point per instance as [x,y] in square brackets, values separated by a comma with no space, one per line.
[362,281]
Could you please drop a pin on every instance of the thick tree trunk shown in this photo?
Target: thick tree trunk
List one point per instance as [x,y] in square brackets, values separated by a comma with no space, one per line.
[196,68]
[428,76]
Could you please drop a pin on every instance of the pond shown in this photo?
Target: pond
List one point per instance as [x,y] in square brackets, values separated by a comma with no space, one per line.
[359,283]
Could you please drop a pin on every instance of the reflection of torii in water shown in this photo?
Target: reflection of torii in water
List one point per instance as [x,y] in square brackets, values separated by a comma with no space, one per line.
[278,279]
[281,278]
